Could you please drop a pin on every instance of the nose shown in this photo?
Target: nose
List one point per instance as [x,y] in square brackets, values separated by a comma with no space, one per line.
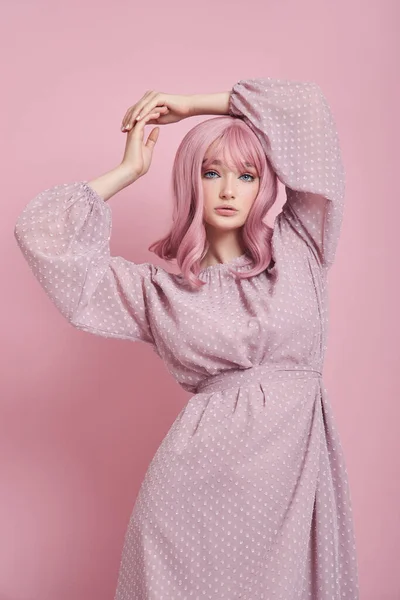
[227,189]
[227,196]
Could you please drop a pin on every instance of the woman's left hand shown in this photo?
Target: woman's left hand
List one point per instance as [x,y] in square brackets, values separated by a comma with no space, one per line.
[171,108]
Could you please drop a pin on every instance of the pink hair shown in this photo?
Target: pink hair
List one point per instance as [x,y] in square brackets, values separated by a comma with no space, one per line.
[187,241]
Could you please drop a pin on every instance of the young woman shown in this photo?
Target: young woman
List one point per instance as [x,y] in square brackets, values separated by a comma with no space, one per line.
[247,496]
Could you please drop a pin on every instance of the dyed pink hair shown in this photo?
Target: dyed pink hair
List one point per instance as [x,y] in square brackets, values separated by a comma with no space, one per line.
[187,241]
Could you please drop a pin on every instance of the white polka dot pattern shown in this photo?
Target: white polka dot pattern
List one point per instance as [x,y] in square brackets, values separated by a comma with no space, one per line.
[296,128]
[247,496]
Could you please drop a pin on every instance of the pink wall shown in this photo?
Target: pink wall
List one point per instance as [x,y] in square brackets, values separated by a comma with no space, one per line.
[82,416]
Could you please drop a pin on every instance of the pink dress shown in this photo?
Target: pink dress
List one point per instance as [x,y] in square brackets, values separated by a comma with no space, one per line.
[247,496]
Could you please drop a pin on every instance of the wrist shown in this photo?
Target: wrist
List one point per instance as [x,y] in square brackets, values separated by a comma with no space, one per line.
[112,182]
[210,104]
[124,175]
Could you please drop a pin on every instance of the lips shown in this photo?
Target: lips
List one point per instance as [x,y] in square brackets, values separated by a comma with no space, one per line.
[227,208]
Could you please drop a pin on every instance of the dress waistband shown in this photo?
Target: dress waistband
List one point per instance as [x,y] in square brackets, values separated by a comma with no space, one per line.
[237,377]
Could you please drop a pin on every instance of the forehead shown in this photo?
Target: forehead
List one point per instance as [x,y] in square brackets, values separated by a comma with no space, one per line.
[220,163]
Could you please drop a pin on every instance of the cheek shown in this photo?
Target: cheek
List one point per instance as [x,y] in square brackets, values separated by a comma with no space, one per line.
[250,196]
[208,196]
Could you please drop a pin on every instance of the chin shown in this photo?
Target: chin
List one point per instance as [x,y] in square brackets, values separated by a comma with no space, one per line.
[219,222]
[223,226]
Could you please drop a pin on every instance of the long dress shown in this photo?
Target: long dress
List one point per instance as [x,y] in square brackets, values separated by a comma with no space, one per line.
[247,496]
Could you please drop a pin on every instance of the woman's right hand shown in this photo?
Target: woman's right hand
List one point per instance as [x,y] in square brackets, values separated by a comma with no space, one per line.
[172,108]
[138,155]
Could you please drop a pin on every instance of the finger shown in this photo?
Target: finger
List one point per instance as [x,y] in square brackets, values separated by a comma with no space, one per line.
[137,129]
[129,121]
[135,107]
[159,110]
[124,120]
[151,104]
[127,116]
[149,101]
[146,119]
[153,137]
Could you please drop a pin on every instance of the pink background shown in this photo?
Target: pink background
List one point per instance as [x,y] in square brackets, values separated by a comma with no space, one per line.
[82,416]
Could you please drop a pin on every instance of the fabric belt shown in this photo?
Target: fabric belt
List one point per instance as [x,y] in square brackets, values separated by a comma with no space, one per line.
[253,375]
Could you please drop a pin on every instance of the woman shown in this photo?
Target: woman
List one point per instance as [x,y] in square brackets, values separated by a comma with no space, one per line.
[247,496]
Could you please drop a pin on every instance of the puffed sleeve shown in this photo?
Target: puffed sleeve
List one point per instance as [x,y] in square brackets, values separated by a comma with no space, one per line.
[64,234]
[296,128]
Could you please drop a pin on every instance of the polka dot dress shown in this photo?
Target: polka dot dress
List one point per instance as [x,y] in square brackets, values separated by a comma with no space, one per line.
[247,496]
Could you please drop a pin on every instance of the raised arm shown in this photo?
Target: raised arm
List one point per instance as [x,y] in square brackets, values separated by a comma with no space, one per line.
[64,235]
[296,128]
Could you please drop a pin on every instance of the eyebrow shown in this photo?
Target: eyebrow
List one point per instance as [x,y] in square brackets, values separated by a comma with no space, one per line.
[218,162]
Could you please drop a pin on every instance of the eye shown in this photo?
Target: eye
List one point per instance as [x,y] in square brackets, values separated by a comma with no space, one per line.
[207,173]
[248,175]
[244,175]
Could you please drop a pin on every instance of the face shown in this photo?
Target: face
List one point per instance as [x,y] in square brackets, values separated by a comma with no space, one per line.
[225,186]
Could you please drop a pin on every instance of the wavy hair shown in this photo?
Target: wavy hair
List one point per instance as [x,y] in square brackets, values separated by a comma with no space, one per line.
[187,241]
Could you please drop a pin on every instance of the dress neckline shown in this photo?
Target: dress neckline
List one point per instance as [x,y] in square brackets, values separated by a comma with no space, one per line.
[234,262]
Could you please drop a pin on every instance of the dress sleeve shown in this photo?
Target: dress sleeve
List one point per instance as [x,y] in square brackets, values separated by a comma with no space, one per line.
[64,235]
[296,128]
